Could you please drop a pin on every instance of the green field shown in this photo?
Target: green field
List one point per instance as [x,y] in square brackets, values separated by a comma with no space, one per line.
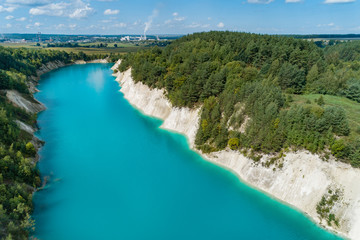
[351,108]
[122,47]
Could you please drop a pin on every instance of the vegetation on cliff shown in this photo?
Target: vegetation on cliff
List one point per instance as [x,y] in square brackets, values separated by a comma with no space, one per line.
[247,83]
[19,176]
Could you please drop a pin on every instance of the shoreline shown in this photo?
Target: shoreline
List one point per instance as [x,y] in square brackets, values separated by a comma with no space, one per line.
[34,106]
[277,184]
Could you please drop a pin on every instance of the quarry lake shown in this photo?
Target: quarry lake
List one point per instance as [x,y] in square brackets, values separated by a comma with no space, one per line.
[113,174]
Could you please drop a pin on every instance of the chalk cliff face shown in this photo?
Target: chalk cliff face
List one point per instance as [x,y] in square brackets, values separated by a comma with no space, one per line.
[49,67]
[18,100]
[302,180]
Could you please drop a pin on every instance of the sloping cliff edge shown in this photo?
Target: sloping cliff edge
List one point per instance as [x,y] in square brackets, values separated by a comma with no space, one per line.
[302,181]
[31,105]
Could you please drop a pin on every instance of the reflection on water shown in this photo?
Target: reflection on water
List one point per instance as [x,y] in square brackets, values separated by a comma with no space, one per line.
[96,79]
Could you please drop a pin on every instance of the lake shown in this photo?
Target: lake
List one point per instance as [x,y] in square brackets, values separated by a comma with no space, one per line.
[113,174]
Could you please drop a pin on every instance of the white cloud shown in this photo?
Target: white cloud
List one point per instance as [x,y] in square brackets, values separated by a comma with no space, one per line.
[35,25]
[81,12]
[60,26]
[8,25]
[21,19]
[326,25]
[7,9]
[137,22]
[179,19]
[260,1]
[293,1]
[29,2]
[72,26]
[111,12]
[120,25]
[338,1]
[197,25]
[75,9]
[209,18]
[9,17]
[220,25]
[53,9]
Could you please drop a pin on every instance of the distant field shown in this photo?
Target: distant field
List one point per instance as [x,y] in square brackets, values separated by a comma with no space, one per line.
[122,47]
[351,108]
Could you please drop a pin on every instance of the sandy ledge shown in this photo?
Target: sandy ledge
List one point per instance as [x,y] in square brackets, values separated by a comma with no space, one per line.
[300,183]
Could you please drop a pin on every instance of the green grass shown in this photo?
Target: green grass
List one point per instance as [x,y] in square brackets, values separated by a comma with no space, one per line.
[352,109]
[20,45]
[121,49]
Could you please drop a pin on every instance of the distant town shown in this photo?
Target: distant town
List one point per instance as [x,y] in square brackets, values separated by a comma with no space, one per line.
[56,38]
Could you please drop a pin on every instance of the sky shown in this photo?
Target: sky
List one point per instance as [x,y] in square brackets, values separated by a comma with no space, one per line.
[179,16]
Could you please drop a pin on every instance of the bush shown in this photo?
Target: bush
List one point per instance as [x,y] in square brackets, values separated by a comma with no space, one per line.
[30,149]
[233,143]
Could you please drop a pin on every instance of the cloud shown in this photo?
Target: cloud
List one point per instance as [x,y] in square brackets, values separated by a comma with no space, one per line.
[7,9]
[35,25]
[120,25]
[76,9]
[9,17]
[29,2]
[111,12]
[60,26]
[8,25]
[338,1]
[176,18]
[197,25]
[326,25]
[137,22]
[21,19]
[220,25]
[72,26]
[179,19]
[260,1]
[293,1]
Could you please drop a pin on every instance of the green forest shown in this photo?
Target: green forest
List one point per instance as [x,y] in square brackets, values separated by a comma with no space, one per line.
[19,177]
[266,83]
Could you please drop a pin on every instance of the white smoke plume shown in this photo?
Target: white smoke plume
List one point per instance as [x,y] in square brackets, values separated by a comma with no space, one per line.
[154,14]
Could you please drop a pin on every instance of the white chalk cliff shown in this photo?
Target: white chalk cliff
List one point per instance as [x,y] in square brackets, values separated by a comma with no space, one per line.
[302,181]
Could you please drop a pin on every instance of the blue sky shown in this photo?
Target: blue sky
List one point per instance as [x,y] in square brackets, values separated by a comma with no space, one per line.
[179,16]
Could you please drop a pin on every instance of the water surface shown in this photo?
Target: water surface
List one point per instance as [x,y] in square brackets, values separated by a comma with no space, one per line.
[115,175]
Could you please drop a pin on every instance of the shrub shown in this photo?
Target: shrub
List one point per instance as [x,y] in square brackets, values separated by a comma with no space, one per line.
[233,143]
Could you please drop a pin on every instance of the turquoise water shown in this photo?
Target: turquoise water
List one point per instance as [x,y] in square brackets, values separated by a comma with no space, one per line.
[113,174]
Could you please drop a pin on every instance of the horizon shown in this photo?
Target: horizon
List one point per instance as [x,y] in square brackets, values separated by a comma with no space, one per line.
[115,17]
[180,34]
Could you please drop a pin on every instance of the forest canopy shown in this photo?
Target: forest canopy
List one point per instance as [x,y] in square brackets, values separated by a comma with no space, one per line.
[252,79]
